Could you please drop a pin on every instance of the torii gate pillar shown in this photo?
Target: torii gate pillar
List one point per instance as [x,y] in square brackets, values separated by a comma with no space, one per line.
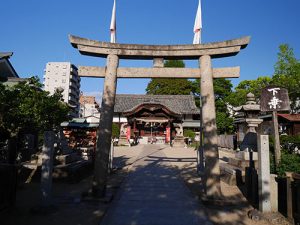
[105,126]
[210,147]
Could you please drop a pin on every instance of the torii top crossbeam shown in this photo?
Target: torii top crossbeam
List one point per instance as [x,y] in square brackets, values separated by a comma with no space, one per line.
[137,51]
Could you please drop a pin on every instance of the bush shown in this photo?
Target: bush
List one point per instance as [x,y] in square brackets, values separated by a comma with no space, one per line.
[189,133]
[115,130]
[289,163]
[195,145]
[290,143]
[289,139]
[272,163]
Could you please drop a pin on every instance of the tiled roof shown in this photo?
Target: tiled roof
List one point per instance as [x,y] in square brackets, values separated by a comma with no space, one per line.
[6,69]
[180,104]
[290,117]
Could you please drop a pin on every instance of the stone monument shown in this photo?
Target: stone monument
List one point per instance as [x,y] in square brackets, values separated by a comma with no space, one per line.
[123,137]
[179,138]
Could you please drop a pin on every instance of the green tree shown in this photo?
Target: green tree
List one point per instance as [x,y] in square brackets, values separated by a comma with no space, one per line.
[25,107]
[238,97]
[287,74]
[222,90]
[170,86]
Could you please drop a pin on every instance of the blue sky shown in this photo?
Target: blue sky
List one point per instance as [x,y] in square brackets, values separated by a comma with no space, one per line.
[37,32]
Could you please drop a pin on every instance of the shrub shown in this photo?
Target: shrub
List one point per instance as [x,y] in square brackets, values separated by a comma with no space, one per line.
[115,130]
[290,143]
[289,163]
[189,133]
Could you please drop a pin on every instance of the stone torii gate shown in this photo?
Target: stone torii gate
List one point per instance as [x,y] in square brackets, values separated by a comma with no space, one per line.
[158,53]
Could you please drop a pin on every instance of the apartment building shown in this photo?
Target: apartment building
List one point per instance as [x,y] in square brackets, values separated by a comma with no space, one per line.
[64,76]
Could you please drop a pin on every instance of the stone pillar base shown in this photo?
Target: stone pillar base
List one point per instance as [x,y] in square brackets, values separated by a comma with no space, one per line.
[178,141]
[123,140]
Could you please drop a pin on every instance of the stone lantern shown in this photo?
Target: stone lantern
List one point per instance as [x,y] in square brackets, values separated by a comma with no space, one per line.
[240,167]
[250,112]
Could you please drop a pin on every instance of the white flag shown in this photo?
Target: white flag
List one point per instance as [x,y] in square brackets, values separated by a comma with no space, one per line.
[198,25]
[113,27]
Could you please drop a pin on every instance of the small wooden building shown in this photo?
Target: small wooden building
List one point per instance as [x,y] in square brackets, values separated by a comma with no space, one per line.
[290,123]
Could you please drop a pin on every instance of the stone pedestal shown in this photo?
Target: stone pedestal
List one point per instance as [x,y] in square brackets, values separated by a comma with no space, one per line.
[245,159]
[178,141]
[123,140]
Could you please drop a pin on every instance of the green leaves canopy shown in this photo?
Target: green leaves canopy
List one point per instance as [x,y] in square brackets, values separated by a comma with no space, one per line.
[25,107]
[170,86]
[287,74]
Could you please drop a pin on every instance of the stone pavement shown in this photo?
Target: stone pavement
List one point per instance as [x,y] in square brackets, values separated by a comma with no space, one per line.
[154,194]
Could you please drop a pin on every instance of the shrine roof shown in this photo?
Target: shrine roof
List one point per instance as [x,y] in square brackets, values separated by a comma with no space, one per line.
[180,104]
[290,117]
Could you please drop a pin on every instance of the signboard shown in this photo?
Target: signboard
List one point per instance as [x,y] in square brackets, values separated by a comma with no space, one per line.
[168,132]
[128,132]
[274,99]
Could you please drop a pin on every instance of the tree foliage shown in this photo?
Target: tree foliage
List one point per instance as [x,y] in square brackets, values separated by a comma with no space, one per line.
[170,86]
[222,91]
[238,97]
[25,107]
[287,74]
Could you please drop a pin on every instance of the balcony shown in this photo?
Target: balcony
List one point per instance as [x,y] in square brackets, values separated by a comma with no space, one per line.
[74,93]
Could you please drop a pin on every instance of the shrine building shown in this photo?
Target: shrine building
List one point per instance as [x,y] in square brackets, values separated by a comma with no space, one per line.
[159,117]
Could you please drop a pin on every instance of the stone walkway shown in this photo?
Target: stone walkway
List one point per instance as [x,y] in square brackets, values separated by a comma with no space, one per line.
[153,194]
